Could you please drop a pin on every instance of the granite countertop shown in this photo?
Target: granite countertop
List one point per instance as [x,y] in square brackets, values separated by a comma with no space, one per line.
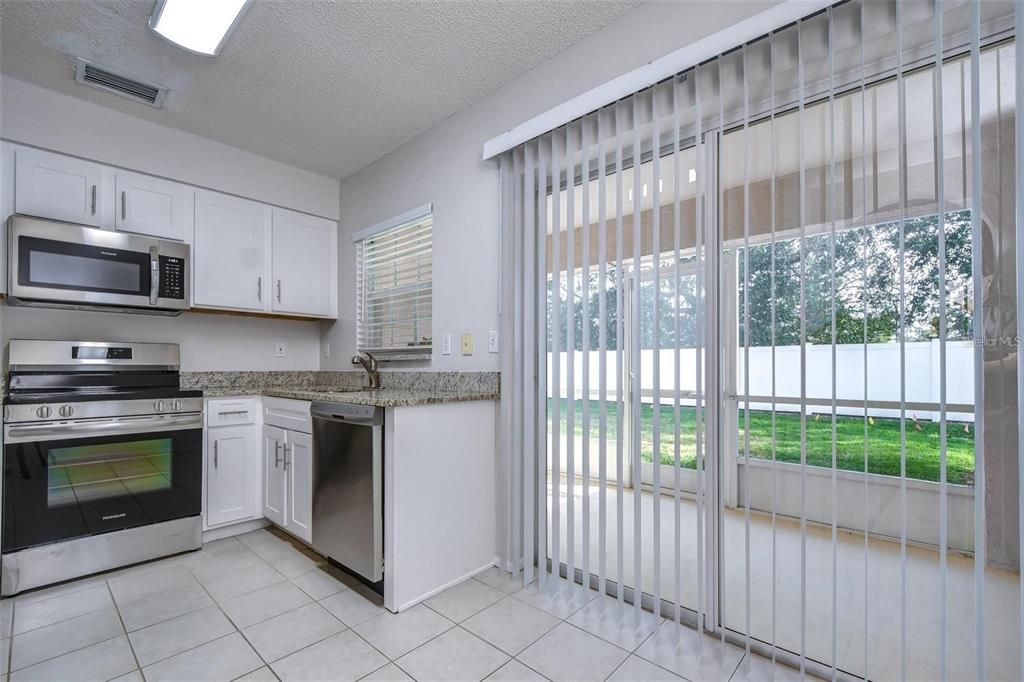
[383,397]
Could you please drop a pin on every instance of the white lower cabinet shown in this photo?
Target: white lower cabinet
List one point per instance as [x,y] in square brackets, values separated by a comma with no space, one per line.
[233,462]
[274,474]
[299,464]
[288,466]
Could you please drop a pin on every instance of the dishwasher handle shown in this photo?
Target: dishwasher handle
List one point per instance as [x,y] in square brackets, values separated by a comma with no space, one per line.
[348,413]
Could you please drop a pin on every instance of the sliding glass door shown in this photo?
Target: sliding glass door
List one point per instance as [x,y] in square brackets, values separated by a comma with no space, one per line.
[774,299]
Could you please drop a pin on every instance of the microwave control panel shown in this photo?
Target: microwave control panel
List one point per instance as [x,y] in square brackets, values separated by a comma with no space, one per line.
[172,277]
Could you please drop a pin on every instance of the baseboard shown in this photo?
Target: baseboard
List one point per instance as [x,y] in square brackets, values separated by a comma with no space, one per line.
[234,529]
[442,588]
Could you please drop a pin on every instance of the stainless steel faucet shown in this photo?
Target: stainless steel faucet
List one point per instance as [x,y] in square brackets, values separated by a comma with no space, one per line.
[369,363]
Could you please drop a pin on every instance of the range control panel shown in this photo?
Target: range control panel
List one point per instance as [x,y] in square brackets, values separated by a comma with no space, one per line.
[172,277]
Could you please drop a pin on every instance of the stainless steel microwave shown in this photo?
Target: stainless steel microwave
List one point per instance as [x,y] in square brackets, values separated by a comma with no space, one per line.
[63,265]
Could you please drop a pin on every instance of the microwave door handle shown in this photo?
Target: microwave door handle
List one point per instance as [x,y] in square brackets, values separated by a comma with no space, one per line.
[154,274]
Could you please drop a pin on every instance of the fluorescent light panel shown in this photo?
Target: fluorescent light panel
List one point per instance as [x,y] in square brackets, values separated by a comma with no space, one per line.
[200,26]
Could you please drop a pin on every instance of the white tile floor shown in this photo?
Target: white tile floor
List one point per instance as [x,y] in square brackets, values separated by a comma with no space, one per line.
[257,607]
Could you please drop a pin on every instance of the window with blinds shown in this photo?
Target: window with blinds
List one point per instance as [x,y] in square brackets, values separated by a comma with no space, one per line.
[394,285]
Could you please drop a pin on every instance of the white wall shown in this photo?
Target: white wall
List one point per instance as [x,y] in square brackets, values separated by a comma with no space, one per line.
[443,165]
[208,342]
[33,115]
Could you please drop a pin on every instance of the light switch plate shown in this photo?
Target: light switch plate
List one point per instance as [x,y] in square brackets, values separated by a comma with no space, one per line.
[467,343]
[279,349]
[446,344]
[492,341]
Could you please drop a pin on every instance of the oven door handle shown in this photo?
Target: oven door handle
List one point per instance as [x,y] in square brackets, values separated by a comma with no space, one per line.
[118,427]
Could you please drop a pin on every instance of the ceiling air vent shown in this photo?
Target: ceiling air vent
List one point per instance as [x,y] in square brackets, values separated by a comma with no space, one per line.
[103,78]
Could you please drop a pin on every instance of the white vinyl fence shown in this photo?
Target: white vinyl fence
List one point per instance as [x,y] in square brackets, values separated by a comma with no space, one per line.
[883,372]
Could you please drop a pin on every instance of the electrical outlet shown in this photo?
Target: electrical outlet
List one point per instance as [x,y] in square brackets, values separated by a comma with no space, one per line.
[280,350]
[492,341]
[446,344]
[467,343]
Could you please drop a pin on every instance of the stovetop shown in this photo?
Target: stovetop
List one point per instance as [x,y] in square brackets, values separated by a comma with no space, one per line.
[98,394]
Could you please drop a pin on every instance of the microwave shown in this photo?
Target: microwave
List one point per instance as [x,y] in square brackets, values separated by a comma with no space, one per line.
[63,265]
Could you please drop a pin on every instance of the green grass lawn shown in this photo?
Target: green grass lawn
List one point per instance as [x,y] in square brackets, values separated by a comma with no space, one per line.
[883,440]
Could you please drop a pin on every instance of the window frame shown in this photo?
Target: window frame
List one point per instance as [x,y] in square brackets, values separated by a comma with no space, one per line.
[422,289]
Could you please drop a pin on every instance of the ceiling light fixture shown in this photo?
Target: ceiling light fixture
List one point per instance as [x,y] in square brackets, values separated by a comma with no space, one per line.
[200,26]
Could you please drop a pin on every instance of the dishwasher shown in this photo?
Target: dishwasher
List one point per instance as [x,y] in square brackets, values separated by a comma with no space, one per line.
[348,486]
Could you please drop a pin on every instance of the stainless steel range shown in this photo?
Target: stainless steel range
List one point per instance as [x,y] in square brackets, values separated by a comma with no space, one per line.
[102,460]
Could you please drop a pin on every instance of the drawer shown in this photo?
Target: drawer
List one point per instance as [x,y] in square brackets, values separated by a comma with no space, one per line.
[231,411]
[289,414]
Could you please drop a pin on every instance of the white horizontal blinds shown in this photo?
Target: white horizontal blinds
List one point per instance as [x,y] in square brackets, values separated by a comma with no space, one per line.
[394,284]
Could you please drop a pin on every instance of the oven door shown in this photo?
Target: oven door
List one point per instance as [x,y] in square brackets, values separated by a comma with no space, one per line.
[85,266]
[72,479]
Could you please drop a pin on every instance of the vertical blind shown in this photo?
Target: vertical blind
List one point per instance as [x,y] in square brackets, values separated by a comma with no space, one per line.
[764,373]
[394,287]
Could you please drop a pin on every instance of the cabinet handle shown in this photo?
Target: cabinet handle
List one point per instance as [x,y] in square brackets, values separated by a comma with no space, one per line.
[259,289]
[286,457]
[215,463]
[93,209]
[277,455]
[278,291]
[124,212]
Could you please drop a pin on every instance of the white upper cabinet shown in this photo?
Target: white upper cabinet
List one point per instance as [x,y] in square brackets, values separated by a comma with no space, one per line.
[304,261]
[229,253]
[246,256]
[61,187]
[152,206]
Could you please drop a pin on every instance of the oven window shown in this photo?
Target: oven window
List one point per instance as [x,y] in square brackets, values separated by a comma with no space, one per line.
[80,272]
[93,472]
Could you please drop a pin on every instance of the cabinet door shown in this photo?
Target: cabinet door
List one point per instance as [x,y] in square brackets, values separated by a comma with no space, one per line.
[300,485]
[148,205]
[303,249]
[59,187]
[228,474]
[274,475]
[229,252]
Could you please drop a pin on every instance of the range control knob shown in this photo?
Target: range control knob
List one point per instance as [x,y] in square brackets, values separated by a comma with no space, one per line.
[43,412]
[176,405]
[158,406]
[66,410]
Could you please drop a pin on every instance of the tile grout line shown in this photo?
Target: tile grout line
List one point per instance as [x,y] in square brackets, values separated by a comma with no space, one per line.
[233,624]
[124,629]
[10,653]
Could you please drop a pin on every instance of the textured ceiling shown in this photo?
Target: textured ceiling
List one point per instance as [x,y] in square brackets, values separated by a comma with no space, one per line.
[328,86]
